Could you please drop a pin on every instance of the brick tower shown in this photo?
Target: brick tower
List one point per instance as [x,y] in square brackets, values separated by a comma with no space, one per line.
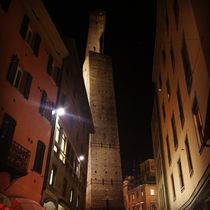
[104,181]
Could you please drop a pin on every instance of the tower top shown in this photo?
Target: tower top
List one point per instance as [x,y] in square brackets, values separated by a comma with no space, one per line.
[95,40]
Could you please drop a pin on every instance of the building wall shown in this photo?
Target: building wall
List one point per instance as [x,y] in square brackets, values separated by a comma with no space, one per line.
[31,125]
[76,123]
[162,193]
[104,183]
[181,75]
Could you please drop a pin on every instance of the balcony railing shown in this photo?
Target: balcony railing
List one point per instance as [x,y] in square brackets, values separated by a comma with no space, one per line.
[17,160]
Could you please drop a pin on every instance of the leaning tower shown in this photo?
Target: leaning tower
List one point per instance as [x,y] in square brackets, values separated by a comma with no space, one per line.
[104,181]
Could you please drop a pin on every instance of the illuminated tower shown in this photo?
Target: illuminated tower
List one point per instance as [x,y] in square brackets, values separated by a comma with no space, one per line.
[104,182]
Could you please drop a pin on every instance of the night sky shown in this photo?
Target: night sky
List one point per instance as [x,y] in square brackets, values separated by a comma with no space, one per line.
[129,39]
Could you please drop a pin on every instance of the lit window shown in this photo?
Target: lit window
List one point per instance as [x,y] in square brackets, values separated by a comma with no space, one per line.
[52,176]
[133,196]
[77,203]
[71,195]
[57,132]
[55,149]
[152,192]
[63,148]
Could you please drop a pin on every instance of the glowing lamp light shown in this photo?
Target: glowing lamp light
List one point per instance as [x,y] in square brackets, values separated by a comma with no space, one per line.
[81,157]
[59,111]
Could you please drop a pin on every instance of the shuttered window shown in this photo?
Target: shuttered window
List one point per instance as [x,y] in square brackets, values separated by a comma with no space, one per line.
[24,26]
[6,135]
[36,45]
[12,68]
[33,39]
[19,78]
[38,162]
[43,102]
[53,71]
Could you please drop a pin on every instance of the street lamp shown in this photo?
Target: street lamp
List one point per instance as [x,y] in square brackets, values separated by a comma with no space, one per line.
[81,157]
[59,111]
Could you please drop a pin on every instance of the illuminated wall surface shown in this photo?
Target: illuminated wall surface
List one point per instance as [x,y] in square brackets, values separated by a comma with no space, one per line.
[104,183]
[181,75]
[28,91]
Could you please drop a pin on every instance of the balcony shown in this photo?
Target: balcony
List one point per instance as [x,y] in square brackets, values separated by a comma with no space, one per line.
[16,162]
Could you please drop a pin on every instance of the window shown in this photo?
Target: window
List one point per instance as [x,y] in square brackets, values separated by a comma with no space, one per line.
[5,4]
[19,78]
[152,192]
[180,174]
[164,111]
[133,196]
[181,112]
[176,13]
[160,84]
[33,39]
[53,176]
[77,203]
[173,186]
[46,106]
[198,122]
[60,143]
[53,71]
[168,150]
[186,65]
[63,144]
[189,159]
[168,89]
[71,197]
[167,22]
[6,135]
[172,58]
[164,56]
[174,131]
[38,162]
[64,187]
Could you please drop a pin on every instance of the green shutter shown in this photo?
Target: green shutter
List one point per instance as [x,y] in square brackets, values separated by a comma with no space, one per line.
[43,102]
[6,135]
[24,26]
[27,85]
[12,69]
[49,64]
[38,162]
[36,44]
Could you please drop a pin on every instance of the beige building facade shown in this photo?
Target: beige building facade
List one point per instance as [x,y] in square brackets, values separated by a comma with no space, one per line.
[104,181]
[181,76]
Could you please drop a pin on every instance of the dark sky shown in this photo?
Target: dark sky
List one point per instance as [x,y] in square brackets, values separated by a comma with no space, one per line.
[129,40]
